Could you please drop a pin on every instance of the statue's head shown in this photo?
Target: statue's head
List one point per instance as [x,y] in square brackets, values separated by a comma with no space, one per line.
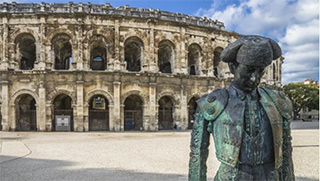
[247,58]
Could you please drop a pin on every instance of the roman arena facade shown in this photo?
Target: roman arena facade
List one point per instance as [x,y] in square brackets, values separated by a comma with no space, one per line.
[85,67]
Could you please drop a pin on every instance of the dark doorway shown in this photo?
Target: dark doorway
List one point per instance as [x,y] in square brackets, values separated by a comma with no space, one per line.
[194,54]
[165,117]
[99,114]
[62,51]
[98,53]
[132,52]
[62,110]
[165,56]
[26,113]
[27,51]
[192,107]
[216,61]
[133,113]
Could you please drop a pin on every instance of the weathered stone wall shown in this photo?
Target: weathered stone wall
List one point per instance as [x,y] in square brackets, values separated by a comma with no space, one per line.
[78,26]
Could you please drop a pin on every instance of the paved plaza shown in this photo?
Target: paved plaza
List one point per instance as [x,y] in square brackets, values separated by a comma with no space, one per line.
[126,155]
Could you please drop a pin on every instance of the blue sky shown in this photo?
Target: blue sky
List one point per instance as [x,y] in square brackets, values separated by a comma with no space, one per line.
[294,24]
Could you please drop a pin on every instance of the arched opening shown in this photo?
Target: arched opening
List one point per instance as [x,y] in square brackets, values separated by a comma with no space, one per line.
[62,51]
[99,114]
[192,107]
[133,50]
[63,113]
[165,56]
[26,49]
[165,116]
[216,61]
[133,113]
[194,54]
[26,114]
[98,53]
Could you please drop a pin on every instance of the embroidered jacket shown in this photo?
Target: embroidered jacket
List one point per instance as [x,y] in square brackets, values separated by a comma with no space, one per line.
[222,115]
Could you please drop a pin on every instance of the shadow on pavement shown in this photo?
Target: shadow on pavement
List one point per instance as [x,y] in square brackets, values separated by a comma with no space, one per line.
[43,169]
[298,124]
[305,179]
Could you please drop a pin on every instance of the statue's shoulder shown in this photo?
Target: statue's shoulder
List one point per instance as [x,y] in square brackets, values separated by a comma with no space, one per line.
[211,105]
[279,99]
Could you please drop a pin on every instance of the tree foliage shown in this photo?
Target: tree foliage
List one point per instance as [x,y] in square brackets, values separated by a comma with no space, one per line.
[302,96]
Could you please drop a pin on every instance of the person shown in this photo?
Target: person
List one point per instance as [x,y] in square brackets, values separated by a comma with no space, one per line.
[249,124]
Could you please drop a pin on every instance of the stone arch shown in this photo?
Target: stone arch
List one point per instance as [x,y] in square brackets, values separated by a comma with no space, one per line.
[194,58]
[107,34]
[217,65]
[98,52]
[197,95]
[174,97]
[62,108]
[166,56]
[143,96]
[20,31]
[134,53]
[25,50]
[102,92]
[14,114]
[138,34]
[167,111]
[192,107]
[21,92]
[53,94]
[55,32]
[62,49]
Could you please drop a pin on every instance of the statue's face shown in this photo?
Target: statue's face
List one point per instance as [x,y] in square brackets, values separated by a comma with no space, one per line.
[246,77]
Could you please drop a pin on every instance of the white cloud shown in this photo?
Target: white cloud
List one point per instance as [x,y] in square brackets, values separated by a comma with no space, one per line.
[294,24]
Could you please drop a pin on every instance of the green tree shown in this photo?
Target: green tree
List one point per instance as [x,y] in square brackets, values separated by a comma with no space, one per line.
[302,96]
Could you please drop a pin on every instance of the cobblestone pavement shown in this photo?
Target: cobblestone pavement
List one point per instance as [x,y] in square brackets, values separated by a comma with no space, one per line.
[126,156]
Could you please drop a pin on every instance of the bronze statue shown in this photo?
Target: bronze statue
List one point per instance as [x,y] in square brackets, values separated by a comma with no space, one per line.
[249,124]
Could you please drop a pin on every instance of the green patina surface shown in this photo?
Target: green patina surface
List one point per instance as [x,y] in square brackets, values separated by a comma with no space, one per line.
[227,117]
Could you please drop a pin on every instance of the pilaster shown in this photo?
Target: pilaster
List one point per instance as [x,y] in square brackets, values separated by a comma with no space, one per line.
[115,123]
[79,115]
[41,112]
[5,104]
[152,116]
[117,62]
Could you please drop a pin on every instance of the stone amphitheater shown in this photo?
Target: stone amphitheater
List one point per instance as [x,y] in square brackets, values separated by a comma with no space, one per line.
[86,67]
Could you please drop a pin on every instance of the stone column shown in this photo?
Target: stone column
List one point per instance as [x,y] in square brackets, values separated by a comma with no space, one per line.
[117,63]
[153,123]
[5,104]
[5,58]
[80,46]
[183,108]
[182,67]
[40,48]
[79,121]
[115,123]
[86,116]
[41,105]
[49,116]
[153,65]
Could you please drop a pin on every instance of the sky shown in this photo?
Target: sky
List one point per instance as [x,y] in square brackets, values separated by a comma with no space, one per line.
[294,24]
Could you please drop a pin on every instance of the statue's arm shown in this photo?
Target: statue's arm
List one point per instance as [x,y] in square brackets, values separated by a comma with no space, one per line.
[199,149]
[286,170]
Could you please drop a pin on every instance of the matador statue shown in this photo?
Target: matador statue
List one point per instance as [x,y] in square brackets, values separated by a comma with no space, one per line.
[250,125]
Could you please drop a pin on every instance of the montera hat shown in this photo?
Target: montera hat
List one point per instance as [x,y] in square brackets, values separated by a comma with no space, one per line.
[252,50]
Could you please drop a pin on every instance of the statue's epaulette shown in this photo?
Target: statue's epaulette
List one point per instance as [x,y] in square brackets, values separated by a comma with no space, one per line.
[282,103]
[211,105]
